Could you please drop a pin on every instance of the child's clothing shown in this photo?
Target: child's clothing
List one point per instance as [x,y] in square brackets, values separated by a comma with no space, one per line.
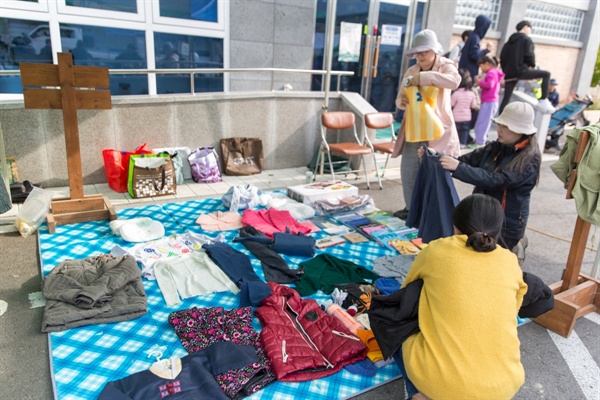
[463,101]
[490,89]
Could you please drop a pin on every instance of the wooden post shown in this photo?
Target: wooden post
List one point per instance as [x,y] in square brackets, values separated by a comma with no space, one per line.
[576,294]
[79,87]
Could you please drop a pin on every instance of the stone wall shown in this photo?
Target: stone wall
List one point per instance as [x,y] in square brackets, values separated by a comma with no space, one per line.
[287,122]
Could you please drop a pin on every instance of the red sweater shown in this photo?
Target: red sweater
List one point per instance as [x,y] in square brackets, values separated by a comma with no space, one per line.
[272,220]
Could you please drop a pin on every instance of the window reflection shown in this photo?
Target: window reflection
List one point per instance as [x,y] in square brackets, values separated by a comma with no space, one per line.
[129,6]
[184,51]
[199,10]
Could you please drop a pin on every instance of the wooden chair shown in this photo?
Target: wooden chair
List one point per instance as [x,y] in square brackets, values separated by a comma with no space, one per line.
[382,120]
[344,120]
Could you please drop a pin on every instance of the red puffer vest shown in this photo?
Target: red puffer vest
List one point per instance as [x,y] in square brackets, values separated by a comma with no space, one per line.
[302,342]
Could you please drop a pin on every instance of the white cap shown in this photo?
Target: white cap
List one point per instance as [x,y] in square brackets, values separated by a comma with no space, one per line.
[423,41]
[518,117]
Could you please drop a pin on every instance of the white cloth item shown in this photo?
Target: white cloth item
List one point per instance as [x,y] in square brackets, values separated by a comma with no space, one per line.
[190,275]
[149,253]
[298,211]
[137,230]
[150,162]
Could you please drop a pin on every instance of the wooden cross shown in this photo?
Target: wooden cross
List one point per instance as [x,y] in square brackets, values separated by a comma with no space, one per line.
[68,87]
[576,294]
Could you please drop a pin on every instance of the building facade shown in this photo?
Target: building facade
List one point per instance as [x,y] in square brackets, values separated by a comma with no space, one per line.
[183,34]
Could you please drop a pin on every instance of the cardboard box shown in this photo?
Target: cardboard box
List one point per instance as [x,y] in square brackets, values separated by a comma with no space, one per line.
[311,192]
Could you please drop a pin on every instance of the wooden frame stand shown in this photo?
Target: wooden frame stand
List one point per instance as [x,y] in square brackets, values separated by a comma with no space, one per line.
[69,87]
[576,294]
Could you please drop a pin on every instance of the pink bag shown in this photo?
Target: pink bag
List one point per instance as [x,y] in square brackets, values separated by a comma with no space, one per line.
[204,162]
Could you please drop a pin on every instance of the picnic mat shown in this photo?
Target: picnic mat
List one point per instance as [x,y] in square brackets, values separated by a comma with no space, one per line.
[84,359]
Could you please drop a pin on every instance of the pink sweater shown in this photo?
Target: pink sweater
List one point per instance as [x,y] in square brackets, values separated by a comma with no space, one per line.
[490,85]
[463,101]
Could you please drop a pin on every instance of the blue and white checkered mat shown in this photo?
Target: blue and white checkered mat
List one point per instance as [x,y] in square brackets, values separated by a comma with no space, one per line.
[84,359]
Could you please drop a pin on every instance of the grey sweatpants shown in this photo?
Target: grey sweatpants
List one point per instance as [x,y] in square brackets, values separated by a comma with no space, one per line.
[409,166]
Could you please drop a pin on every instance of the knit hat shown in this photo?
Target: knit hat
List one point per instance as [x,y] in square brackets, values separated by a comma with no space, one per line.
[522,24]
[553,81]
[423,41]
[518,117]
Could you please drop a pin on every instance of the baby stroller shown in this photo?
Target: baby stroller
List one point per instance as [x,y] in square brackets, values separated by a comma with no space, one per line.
[570,113]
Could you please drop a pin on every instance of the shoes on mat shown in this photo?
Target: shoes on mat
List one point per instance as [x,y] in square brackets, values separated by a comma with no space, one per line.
[402,214]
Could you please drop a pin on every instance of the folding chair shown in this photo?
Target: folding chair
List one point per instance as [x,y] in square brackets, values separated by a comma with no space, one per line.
[344,120]
[382,120]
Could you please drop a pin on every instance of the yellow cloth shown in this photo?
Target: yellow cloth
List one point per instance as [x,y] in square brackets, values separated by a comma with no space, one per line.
[467,347]
[368,338]
[422,123]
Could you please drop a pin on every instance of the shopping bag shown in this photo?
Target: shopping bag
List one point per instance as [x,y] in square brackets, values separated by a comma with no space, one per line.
[204,162]
[182,151]
[116,166]
[422,123]
[177,161]
[151,175]
[242,156]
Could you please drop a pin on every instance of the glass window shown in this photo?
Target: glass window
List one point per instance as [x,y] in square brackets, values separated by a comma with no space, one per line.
[129,6]
[554,21]
[109,47]
[22,41]
[467,11]
[183,51]
[199,10]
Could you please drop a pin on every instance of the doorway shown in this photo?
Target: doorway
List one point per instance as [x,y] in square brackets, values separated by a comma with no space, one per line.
[372,35]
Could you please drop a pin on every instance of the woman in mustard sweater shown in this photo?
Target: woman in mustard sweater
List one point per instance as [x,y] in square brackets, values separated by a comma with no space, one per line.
[467,347]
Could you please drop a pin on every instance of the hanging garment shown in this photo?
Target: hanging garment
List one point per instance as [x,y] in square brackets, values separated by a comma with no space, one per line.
[422,123]
[586,190]
[193,375]
[274,267]
[190,275]
[325,271]
[5,204]
[198,328]
[95,290]
[239,269]
[434,198]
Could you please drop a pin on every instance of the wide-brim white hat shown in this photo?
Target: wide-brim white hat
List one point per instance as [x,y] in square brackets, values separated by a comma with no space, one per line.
[518,117]
[424,41]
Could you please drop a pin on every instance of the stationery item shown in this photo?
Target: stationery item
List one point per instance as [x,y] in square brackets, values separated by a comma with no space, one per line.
[329,242]
[404,247]
[355,238]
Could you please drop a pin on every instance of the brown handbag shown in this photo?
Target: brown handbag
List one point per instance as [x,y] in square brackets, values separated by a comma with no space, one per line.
[242,156]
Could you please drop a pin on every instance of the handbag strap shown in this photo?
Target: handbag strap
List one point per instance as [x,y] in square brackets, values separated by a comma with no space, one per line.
[163,174]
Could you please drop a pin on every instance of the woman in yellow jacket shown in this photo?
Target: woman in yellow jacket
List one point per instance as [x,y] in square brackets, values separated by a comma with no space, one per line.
[467,347]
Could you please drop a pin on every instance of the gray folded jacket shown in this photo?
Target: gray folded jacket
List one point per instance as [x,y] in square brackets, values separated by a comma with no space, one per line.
[95,290]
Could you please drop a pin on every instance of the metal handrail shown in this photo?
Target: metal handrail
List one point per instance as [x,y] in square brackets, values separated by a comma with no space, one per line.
[193,71]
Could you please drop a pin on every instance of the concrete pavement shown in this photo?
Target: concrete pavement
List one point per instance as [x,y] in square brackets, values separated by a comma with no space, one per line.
[556,368]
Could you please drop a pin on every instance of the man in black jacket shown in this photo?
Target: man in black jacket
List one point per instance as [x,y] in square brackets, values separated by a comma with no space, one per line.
[518,62]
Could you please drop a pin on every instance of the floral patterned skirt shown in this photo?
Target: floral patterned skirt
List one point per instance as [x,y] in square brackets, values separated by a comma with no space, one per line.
[198,328]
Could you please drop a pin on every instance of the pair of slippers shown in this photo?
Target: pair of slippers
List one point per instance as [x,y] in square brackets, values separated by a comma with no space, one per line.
[20,190]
